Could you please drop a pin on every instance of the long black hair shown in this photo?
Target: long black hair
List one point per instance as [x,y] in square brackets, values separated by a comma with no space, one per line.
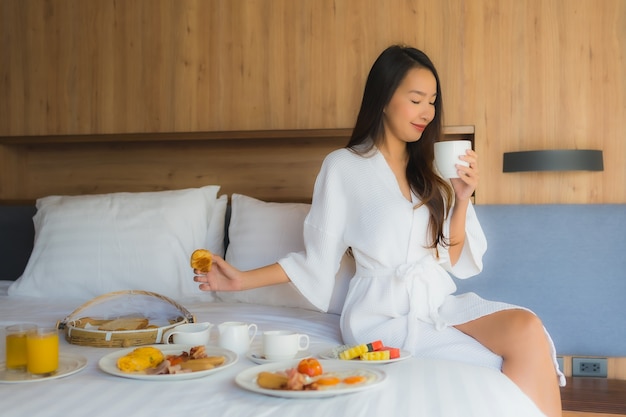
[386,74]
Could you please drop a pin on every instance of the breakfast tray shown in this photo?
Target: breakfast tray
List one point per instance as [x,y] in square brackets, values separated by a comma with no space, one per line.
[96,322]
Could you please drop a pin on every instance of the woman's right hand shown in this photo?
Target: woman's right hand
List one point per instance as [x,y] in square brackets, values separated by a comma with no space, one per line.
[221,277]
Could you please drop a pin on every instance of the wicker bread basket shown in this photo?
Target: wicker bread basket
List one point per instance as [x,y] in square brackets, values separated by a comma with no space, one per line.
[159,312]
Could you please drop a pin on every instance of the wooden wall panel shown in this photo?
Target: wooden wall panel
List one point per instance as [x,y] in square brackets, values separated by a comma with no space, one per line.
[273,170]
[276,165]
[529,74]
[548,75]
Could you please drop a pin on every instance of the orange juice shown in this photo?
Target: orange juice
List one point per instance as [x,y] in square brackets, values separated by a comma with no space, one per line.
[16,346]
[16,351]
[42,346]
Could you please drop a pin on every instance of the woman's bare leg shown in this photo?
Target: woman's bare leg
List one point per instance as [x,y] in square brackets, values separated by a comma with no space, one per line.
[518,336]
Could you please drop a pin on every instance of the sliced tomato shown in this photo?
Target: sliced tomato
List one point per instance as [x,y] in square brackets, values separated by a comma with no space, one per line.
[310,367]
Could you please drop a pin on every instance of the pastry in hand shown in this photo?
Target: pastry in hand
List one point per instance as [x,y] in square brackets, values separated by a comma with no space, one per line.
[201,259]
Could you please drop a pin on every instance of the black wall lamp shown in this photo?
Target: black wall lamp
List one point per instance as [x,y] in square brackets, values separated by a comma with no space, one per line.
[553,160]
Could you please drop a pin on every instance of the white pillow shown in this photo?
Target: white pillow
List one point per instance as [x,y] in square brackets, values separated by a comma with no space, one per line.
[89,245]
[261,233]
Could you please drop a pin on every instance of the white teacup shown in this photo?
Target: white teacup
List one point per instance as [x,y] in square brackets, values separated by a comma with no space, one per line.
[447,154]
[236,336]
[189,334]
[283,344]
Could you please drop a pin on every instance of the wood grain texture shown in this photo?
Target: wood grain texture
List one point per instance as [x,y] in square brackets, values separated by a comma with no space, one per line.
[271,165]
[271,170]
[586,414]
[529,75]
[594,395]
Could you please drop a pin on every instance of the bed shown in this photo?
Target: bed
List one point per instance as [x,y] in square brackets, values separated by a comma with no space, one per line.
[126,230]
[413,387]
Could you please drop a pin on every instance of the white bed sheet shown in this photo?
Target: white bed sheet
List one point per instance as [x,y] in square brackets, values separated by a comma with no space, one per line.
[415,386]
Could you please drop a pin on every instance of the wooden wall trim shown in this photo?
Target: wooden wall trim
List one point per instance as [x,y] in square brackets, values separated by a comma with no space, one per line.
[450,131]
[177,136]
[272,165]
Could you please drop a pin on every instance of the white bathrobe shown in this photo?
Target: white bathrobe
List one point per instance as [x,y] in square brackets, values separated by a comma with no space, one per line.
[401,292]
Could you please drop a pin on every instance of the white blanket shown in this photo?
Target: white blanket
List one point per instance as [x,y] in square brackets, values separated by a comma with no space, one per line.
[414,387]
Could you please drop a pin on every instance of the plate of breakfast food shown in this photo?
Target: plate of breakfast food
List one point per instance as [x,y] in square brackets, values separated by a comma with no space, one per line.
[309,378]
[167,362]
[370,353]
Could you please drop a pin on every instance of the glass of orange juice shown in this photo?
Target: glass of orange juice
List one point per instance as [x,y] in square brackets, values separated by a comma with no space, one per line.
[42,346]
[16,345]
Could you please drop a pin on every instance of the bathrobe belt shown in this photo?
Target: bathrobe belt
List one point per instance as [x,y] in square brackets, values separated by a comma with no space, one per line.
[427,284]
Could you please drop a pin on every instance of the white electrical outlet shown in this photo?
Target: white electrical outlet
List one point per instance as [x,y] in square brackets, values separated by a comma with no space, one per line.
[595,367]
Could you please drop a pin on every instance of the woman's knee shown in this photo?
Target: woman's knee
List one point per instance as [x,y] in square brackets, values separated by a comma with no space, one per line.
[507,332]
[525,329]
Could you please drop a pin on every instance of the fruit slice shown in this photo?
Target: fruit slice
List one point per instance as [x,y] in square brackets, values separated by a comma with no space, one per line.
[381,355]
[374,346]
[394,353]
[353,352]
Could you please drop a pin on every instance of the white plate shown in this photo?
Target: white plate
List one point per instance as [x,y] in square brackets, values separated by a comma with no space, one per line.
[257,357]
[330,354]
[247,379]
[68,365]
[108,363]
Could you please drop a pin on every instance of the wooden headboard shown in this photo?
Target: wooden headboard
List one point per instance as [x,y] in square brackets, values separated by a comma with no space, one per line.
[276,165]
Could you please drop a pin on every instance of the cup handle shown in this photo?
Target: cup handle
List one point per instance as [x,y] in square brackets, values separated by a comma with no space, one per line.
[250,327]
[166,337]
[305,338]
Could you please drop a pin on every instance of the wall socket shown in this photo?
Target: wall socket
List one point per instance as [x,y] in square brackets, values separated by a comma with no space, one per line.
[589,367]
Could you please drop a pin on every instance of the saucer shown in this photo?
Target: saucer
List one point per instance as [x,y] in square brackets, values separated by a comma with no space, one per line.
[258,358]
[69,364]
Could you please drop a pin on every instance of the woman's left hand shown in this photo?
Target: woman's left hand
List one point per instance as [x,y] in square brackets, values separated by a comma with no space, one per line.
[466,184]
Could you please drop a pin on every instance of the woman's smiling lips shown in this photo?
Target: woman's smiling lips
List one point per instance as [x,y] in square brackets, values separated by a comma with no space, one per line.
[419,127]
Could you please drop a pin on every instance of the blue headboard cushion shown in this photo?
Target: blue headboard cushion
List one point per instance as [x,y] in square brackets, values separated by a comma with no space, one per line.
[565,262]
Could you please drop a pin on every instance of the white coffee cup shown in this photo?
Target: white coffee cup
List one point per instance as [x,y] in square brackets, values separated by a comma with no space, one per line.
[283,344]
[189,334]
[447,154]
[236,336]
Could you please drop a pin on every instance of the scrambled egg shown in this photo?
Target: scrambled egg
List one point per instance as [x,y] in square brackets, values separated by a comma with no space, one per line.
[140,359]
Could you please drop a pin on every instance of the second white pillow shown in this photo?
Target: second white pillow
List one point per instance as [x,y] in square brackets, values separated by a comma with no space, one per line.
[260,233]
